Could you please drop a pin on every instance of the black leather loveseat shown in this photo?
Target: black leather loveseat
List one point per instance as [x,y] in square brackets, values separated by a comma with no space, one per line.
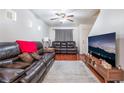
[68,47]
[34,72]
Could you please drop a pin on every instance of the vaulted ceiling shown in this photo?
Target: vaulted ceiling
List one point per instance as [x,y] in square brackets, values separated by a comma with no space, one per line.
[81,16]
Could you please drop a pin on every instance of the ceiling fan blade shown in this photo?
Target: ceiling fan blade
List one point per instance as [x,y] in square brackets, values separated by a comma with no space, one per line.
[70,16]
[61,14]
[53,18]
[58,14]
[70,20]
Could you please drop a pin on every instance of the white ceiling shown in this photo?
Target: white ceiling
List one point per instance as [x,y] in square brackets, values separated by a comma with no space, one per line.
[81,16]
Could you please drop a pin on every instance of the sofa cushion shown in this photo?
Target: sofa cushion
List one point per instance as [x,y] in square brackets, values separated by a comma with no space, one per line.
[8,74]
[63,44]
[2,53]
[35,56]
[8,61]
[8,50]
[56,44]
[63,49]
[17,65]
[72,49]
[26,57]
[70,44]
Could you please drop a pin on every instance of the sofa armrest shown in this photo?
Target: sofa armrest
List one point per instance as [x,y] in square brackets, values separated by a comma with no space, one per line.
[76,49]
[32,72]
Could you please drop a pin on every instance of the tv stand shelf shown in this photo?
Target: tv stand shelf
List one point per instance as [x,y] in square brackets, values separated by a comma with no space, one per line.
[113,74]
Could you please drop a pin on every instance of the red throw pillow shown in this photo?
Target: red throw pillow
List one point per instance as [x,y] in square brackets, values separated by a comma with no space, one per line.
[26,46]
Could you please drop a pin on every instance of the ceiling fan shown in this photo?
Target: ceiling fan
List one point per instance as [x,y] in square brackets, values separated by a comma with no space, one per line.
[63,17]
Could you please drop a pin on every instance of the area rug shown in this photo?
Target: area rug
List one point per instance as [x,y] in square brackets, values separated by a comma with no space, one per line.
[70,72]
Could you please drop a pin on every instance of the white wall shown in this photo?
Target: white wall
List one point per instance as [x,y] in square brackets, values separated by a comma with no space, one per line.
[84,30]
[112,21]
[52,34]
[21,28]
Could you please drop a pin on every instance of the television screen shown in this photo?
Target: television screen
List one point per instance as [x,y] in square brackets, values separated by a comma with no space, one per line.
[103,47]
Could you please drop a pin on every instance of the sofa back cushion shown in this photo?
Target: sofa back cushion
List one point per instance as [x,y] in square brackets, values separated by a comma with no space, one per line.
[8,50]
[71,44]
[63,44]
[56,44]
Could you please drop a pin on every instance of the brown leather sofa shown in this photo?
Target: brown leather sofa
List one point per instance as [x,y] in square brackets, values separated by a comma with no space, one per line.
[32,73]
[68,47]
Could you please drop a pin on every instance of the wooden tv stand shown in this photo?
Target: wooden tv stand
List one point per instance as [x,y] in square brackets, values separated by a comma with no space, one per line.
[113,74]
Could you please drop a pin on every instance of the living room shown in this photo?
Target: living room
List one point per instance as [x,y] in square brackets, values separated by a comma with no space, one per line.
[61,46]
[67,32]
[27,26]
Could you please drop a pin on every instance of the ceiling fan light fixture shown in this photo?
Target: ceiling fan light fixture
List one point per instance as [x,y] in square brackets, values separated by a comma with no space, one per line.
[62,20]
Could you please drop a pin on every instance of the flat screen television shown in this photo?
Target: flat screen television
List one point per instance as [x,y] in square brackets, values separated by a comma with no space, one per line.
[103,47]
